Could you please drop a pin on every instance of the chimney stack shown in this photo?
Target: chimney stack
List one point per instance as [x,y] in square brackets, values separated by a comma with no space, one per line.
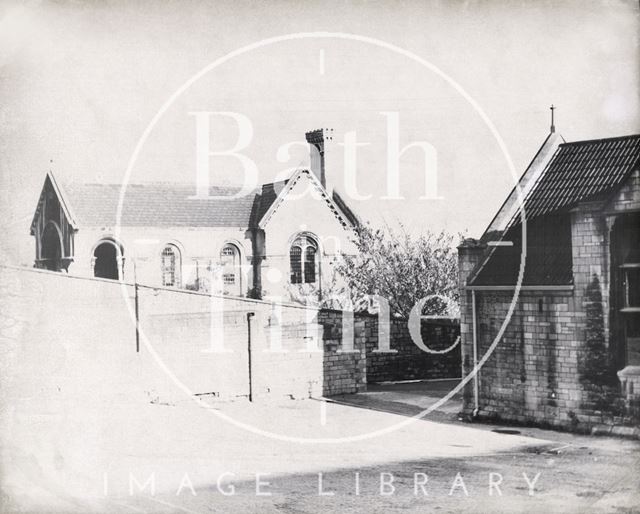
[320,142]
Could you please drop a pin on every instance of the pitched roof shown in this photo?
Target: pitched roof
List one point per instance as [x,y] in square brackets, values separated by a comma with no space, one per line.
[265,198]
[346,210]
[578,172]
[584,170]
[548,255]
[511,205]
[170,204]
[50,183]
[160,205]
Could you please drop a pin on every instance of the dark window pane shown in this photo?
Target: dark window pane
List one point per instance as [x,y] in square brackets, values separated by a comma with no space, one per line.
[230,261]
[169,271]
[632,287]
[310,265]
[295,258]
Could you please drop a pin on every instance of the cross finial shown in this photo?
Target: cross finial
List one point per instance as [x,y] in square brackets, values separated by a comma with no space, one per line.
[553,127]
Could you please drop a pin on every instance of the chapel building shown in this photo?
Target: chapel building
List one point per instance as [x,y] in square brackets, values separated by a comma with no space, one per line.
[282,240]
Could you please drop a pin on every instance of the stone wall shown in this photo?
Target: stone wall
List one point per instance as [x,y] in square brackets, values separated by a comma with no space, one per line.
[77,336]
[535,374]
[345,369]
[296,352]
[470,252]
[628,197]
[542,369]
[590,249]
[407,361]
[530,376]
[189,343]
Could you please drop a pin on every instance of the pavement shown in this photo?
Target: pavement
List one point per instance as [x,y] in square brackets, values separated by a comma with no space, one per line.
[357,453]
[412,398]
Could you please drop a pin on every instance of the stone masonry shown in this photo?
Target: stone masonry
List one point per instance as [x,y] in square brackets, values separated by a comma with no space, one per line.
[534,374]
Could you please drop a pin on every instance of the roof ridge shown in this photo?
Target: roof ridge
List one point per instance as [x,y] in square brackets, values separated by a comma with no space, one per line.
[598,140]
[166,183]
[165,203]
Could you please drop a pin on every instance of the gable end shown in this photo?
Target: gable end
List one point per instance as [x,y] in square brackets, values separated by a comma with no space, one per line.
[340,216]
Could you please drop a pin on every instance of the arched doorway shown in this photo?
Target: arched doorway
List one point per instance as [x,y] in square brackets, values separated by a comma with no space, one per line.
[107,260]
[51,250]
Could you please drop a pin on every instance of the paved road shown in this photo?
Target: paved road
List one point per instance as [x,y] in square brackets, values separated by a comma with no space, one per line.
[70,462]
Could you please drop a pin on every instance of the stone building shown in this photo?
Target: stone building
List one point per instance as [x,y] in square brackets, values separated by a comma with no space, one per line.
[281,240]
[553,325]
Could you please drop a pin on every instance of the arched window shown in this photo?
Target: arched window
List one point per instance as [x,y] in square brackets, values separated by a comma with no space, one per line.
[302,258]
[108,260]
[170,266]
[230,261]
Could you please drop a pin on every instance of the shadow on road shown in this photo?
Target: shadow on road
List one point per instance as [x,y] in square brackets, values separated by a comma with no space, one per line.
[528,482]
[408,399]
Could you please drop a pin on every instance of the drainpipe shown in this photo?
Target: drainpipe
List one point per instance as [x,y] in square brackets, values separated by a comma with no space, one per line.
[475,355]
[249,318]
[137,305]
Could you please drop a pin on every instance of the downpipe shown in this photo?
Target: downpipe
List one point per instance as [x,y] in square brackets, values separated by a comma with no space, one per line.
[476,395]
[250,317]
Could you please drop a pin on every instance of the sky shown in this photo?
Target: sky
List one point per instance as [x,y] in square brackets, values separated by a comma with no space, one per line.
[80,82]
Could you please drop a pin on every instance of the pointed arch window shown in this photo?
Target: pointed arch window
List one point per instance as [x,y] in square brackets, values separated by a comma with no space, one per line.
[170,262]
[303,260]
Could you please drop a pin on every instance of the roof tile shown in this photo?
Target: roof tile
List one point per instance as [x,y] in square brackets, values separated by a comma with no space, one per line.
[168,205]
[580,171]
